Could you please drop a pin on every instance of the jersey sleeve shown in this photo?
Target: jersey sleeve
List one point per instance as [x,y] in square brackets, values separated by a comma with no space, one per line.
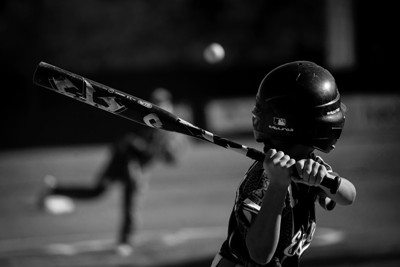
[250,209]
[249,197]
[247,204]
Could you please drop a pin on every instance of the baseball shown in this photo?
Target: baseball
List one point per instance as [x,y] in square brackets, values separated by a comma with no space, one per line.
[214,53]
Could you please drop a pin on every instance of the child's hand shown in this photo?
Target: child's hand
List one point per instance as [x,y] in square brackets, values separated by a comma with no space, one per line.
[278,167]
[311,172]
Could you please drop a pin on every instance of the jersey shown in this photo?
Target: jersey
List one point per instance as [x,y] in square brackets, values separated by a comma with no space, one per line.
[298,220]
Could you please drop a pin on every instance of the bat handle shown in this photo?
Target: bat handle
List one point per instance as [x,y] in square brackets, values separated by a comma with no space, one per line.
[332,184]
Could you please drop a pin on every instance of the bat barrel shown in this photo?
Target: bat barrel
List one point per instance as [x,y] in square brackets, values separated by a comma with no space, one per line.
[102,96]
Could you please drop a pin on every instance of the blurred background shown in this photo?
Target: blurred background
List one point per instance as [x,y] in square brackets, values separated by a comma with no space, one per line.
[136,46]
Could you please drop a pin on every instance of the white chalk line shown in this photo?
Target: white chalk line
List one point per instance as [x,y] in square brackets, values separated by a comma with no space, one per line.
[167,238]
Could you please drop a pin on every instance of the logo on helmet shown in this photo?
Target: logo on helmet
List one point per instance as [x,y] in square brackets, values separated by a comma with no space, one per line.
[281,125]
[282,129]
[279,121]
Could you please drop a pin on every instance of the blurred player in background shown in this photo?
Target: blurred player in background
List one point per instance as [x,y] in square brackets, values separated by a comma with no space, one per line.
[298,110]
[131,159]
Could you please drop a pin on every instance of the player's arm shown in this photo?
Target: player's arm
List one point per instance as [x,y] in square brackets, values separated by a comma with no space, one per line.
[312,173]
[346,193]
[263,234]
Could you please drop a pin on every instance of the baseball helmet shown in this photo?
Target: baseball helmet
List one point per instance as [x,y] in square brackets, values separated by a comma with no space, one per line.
[299,102]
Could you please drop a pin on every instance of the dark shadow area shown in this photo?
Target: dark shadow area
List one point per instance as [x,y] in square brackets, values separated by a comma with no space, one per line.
[136,46]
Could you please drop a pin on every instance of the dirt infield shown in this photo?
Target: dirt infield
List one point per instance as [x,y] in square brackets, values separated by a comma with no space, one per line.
[185,210]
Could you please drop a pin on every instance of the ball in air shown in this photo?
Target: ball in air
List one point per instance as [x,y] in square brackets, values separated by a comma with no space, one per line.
[214,53]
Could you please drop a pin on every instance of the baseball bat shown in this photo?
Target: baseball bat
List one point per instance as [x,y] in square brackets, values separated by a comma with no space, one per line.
[137,110]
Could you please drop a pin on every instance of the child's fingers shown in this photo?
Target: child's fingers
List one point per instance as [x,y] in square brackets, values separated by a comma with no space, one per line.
[270,153]
[299,167]
[291,162]
[279,157]
[310,172]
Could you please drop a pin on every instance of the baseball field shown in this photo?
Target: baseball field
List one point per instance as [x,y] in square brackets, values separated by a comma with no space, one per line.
[185,209]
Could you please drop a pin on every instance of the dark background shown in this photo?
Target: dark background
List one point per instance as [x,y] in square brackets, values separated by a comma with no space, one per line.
[135,46]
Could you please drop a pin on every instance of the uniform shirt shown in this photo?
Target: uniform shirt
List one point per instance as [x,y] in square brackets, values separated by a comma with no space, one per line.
[298,221]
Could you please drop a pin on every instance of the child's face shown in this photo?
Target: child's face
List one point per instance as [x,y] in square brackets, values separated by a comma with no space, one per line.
[295,151]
